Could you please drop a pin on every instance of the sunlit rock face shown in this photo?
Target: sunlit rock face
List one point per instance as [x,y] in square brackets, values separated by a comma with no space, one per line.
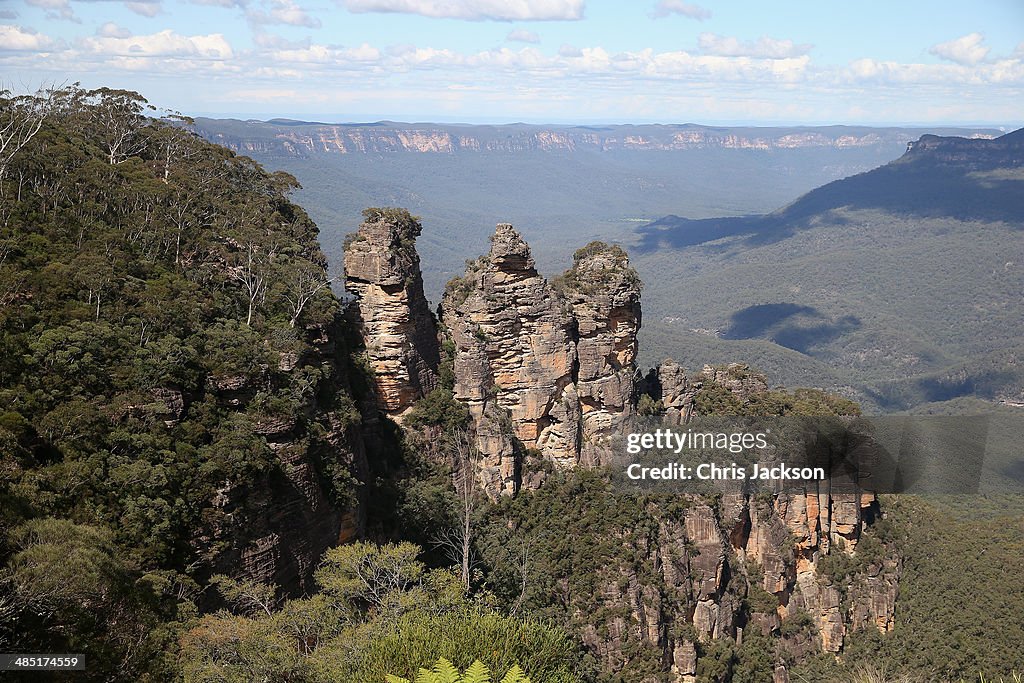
[548,372]
[603,293]
[382,272]
[515,351]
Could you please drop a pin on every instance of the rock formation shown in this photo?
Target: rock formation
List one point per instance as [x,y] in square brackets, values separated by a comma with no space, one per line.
[604,295]
[557,358]
[547,370]
[514,354]
[382,271]
[300,139]
[275,528]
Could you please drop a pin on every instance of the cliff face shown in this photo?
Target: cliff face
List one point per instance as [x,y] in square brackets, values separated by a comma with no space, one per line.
[274,527]
[669,577]
[514,355]
[297,138]
[1004,152]
[603,293]
[389,309]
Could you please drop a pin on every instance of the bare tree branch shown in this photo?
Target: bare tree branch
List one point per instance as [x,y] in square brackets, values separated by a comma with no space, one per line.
[21,117]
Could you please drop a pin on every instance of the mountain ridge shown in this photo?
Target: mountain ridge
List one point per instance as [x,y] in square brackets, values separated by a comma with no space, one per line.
[290,137]
[950,206]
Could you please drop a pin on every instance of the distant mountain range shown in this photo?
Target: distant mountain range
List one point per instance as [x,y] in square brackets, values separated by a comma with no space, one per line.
[951,177]
[286,137]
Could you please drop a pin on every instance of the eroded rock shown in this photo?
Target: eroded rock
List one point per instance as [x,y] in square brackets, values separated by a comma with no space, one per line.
[382,271]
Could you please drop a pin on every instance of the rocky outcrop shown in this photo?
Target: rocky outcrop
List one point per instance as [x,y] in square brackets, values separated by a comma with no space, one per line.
[382,273]
[738,378]
[547,370]
[515,353]
[275,526]
[557,358]
[603,293]
[718,571]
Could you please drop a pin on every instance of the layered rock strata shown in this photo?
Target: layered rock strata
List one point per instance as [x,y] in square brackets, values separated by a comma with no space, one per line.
[275,527]
[557,358]
[721,570]
[382,272]
[547,369]
[603,292]
[515,355]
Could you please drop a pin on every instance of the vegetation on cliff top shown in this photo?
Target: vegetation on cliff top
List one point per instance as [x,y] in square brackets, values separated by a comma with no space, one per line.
[144,273]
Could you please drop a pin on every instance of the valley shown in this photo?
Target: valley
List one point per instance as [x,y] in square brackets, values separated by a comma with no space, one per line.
[877,287]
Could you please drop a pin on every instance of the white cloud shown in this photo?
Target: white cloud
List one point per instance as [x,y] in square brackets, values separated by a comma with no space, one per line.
[762,48]
[665,8]
[998,72]
[476,10]
[166,43]
[112,30]
[49,4]
[146,8]
[520,35]
[328,55]
[276,42]
[968,50]
[283,12]
[61,9]
[18,38]
[221,3]
[58,9]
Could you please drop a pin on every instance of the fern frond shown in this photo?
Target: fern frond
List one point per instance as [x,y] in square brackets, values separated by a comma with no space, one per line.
[515,675]
[395,679]
[477,673]
[445,672]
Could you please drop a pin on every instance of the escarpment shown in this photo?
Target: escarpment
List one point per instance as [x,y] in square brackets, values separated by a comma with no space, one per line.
[274,526]
[548,372]
[389,309]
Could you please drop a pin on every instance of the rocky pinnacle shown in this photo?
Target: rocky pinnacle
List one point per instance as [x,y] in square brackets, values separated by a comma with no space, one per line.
[382,272]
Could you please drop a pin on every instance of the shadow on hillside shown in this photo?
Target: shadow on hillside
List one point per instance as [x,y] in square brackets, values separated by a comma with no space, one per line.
[983,383]
[898,189]
[1015,470]
[755,321]
[794,326]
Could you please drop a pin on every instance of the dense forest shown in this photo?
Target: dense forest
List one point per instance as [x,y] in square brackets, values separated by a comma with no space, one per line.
[175,373]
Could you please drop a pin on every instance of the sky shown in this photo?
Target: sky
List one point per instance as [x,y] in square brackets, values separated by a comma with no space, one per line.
[929,62]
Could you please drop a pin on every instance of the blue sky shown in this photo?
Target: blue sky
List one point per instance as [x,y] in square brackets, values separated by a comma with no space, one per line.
[552,61]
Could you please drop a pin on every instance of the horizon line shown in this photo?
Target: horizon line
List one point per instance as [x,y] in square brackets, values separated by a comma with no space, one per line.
[349,120]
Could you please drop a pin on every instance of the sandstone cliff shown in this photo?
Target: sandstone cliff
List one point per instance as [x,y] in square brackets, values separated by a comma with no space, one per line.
[389,309]
[557,359]
[275,527]
[514,353]
[603,293]
[297,138]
